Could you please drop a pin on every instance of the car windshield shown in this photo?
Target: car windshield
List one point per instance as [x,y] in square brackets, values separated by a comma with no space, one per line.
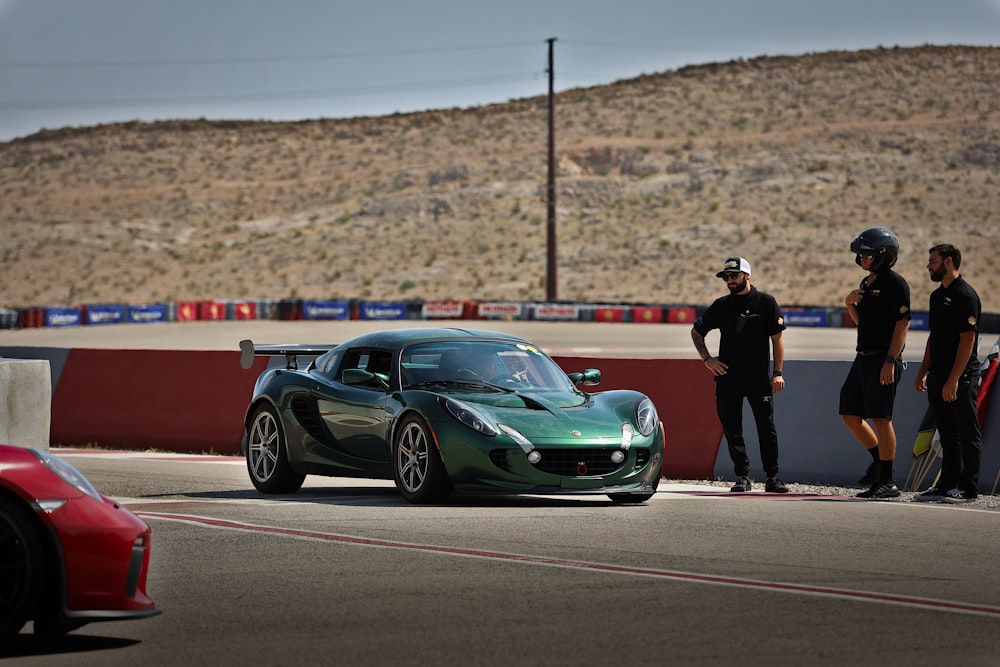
[510,365]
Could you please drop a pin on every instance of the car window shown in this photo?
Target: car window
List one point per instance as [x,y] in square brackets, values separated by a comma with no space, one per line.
[328,362]
[513,364]
[373,361]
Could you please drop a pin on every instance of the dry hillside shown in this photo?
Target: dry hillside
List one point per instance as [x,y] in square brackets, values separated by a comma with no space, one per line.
[782,160]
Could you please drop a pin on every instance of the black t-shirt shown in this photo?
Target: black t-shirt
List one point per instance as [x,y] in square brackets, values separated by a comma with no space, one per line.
[954,310]
[747,352]
[886,302]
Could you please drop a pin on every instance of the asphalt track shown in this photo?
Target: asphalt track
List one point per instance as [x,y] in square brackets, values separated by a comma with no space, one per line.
[346,573]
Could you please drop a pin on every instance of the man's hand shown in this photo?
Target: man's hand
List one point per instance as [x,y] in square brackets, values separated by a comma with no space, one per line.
[715,365]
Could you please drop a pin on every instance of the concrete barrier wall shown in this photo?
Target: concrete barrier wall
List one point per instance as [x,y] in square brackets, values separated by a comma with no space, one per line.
[814,446]
[26,404]
[163,399]
[195,401]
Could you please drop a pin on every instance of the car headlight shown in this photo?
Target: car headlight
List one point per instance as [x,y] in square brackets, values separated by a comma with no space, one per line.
[68,474]
[646,417]
[469,416]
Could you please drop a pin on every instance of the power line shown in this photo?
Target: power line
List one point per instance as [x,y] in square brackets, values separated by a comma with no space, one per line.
[439,84]
[261,59]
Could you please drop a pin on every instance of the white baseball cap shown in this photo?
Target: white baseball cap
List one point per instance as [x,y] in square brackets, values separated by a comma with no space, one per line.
[734,264]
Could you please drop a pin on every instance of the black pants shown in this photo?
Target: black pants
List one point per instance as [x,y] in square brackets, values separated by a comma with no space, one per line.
[729,396]
[958,427]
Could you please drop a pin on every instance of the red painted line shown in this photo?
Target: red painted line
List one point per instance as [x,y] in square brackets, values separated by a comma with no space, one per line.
[932,604]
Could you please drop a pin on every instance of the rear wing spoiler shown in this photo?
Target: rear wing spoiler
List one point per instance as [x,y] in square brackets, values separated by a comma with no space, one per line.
[248,351]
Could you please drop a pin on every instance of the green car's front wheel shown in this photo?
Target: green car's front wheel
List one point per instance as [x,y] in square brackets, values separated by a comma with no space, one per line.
[416,464]
[267,454]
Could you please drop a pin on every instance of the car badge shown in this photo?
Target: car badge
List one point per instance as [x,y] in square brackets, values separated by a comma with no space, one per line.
[581,468]
[576,433]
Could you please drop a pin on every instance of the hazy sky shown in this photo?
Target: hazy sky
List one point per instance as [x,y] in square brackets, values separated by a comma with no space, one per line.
[83,62]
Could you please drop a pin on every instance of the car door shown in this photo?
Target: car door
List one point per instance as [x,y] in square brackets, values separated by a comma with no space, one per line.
[355,415]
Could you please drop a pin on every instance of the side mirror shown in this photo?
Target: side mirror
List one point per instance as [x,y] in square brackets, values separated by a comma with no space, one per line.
[353,376]
[588,377]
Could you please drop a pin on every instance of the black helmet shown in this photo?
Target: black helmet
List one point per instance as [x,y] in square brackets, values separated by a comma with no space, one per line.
[879,242]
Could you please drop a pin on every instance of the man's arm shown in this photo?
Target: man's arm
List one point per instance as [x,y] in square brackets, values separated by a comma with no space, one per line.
[778,352]
[966,341]
[888,373]
[711,363]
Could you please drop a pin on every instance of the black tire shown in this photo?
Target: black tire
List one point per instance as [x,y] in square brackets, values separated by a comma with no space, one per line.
[416,464]
[21,562]
[267,454]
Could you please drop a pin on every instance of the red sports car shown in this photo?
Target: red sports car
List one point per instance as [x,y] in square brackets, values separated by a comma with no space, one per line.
[68,555]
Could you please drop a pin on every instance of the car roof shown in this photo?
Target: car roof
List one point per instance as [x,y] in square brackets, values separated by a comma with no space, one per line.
[394,338]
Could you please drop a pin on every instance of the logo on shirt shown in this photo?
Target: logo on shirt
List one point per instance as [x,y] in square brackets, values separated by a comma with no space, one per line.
[781,321]
[972,321]
[903,309]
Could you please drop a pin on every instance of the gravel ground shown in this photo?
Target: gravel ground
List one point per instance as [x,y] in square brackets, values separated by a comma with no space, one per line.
[989,503]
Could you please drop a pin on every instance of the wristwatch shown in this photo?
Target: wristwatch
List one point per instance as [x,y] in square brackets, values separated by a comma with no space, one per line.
[776,374]
[890,359]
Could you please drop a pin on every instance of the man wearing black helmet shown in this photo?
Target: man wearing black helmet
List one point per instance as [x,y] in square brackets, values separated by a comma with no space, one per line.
[880,308]
[749,321]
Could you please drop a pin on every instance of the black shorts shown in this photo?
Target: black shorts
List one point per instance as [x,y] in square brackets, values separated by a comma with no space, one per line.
[863,393]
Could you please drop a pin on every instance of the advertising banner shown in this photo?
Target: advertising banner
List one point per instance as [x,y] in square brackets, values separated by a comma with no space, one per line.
[384,310]
[647,314]
[805,317]
[326,310]
[501,311]
[112,313]
[147,313]
[547,311]
[609,314]
[64,317]
[443,309]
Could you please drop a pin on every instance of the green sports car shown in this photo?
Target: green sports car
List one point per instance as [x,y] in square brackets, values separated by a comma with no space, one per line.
[439,409]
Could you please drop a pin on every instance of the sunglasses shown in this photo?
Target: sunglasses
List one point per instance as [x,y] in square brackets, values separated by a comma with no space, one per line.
[731,276]
[866,256]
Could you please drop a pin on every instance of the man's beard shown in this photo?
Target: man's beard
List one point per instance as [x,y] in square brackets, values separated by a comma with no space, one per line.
[937,275]
[738,287]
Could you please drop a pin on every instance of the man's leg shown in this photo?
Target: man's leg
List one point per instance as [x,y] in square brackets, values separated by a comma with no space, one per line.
[886,447]
[944,418]
[729,406]
[762,405]
[969,434]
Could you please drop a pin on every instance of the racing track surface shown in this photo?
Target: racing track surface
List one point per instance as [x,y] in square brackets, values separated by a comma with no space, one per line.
[346,573]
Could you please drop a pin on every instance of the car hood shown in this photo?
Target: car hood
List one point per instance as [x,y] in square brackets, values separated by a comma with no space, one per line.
[553,416]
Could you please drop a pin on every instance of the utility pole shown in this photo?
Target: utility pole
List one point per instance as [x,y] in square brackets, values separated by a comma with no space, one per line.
[550,237]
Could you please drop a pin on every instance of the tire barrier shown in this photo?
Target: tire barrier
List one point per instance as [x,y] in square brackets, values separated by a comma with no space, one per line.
[356,309]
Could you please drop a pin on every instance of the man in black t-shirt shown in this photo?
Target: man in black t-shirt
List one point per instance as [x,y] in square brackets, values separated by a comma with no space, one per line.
[881,309]
[749,323]
[950,374]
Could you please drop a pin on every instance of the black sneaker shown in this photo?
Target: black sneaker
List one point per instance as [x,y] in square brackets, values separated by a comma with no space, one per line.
[881,491]
[931,495]
[871,475]
[959,496]
[742,485]
[775,485]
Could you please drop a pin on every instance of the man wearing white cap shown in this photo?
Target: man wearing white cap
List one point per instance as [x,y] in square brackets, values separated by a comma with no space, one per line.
[750,326]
